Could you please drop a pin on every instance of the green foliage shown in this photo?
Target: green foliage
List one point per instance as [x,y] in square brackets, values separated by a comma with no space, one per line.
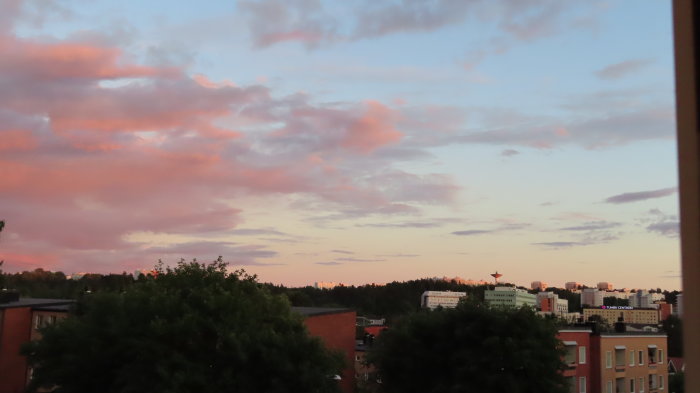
[390,301]
[194,328]
[470,349]
[673,326]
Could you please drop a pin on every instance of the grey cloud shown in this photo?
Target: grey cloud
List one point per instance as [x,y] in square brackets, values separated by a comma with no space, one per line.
[561,244]
[641,195]
[328,263]
[399,255]
[509,153]
[342,252]
[621,69]
[359,260]
[593,226]
[256,232]
[412,224]
[471,232]
[667,228]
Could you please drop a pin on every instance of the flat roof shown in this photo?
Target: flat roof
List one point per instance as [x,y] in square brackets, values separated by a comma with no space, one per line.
[36,303]
[313,311]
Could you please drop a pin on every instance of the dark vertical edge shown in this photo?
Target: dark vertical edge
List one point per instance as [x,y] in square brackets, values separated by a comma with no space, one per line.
[686,39]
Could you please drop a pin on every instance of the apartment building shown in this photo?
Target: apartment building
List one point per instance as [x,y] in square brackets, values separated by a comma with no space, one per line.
[592,297]
[577,343]
[550,302]
[509,297]
[538,285]
[445,299]
[645,316]
[629,363]
[336,328]
[20,319]
[605,286]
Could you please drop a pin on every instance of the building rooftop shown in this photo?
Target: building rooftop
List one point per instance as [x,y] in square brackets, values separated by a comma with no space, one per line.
[37,303]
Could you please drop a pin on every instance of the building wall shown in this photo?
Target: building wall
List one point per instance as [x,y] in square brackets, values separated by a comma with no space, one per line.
[581,368]
[650,317]
[446,299]
[630,368]
[509,297]
[337,331]
[14,331]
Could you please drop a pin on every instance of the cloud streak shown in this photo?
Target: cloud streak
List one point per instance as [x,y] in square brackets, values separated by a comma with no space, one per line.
[629,197]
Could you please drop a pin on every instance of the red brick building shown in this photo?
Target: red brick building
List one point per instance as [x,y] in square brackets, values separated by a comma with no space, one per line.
[578,358]
[19,321]
[336,327]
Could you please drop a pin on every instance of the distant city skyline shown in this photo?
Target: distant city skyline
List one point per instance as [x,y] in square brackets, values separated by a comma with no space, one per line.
[351,142]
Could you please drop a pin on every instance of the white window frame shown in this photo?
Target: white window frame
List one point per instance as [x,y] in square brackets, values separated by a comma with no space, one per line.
[641,357]
[582,355]
[610,387]
[661,382]
[660,354]
[608,359]
[582,385]
[632,358]
[632,389]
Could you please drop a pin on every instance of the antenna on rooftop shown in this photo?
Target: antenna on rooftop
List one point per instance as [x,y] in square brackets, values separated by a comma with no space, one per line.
[496,276]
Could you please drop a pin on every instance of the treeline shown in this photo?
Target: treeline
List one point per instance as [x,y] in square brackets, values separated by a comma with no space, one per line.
[384,301]
[40,283]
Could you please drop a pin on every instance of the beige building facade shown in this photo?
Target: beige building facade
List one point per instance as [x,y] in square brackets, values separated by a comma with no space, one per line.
[628,315]
[629,363]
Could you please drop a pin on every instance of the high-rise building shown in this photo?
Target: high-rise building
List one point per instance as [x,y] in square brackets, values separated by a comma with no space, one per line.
[538,285]
[605,286]
[679,304]
[591,297]
[572,285]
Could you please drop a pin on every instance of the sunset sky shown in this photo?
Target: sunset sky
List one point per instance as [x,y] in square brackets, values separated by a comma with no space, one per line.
[352,141]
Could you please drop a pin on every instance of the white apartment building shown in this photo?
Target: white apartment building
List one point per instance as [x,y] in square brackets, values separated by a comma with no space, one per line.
[592,297]
[445,299]
[605,286]
[509,297]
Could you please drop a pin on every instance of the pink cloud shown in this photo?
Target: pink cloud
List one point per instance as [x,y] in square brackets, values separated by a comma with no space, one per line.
[85,163]
[16,140]
[373,130]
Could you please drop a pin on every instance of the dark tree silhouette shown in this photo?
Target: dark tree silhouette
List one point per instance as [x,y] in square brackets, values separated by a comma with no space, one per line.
[472,348]
[195,328]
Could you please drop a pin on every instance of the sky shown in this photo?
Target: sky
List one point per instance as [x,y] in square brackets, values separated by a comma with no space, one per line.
[349,141]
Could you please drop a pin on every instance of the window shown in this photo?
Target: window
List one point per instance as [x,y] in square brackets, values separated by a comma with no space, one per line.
[570,357]
[608,359]
[610,386]
[582,385]
[661,382]
[641,358]
[652,355]
[661,355]
[641,384]
[631,385]
[620,356]
[39,322]
[632,358]
[582,355]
